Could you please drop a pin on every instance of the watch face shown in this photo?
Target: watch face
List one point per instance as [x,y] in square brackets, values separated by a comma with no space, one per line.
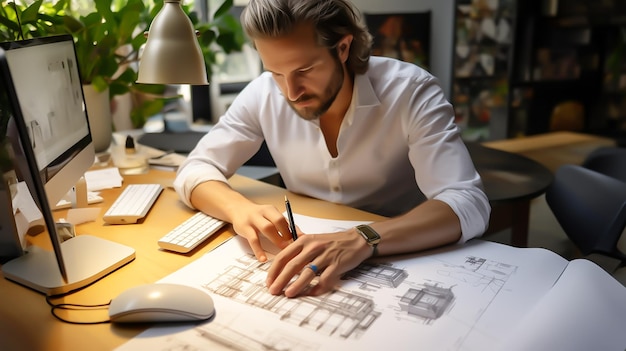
[369,234]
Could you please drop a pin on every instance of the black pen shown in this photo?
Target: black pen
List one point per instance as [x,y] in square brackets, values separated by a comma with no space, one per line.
[292,224]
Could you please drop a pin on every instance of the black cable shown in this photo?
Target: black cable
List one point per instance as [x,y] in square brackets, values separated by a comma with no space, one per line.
[76,307]
[19,22]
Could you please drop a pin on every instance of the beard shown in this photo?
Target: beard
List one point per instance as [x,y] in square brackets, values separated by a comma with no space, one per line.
[326,100]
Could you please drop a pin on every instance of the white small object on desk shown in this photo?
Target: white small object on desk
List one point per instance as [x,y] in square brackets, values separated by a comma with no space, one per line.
[133,203]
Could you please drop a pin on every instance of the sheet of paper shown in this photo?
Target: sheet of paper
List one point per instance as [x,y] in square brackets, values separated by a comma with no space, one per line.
[465,297]
[24,202]
[308,224]
[78,216]
[25,212]
[105,178]
[170,160]
[585,310]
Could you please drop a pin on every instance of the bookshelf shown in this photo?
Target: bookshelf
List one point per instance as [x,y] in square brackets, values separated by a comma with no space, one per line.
[564,54]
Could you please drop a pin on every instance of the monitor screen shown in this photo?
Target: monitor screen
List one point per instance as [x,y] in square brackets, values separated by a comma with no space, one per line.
[45,139]
[19,163]
[48,87]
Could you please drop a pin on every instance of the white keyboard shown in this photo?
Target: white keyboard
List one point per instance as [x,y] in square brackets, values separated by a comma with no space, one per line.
[133,203]
[190,233]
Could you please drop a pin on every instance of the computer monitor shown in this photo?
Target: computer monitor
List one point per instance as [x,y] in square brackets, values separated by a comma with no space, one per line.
[50,144]
[49,90]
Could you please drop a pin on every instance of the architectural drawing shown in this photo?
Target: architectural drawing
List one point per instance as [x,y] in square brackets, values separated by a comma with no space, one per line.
[377,274]
[238,341]
[339,314]
[388,302]
[477,272]
[429,302]
[346,314]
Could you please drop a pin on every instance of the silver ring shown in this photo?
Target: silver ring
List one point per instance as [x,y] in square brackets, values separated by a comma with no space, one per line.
[313,268]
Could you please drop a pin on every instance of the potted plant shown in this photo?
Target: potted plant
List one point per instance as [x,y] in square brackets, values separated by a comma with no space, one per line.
[107,43]
[108,39]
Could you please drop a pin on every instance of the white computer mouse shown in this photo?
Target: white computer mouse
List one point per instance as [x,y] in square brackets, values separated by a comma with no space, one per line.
[161,303]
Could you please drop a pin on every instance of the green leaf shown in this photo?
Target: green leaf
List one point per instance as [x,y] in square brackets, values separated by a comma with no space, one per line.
[118,88]
[103,7]
[92,19]
[127,26]
[108,66]
[138,41]
[149,108]
[228,43]
[60,5]
[12,26]
[99,84]
[193,17]
[207,37]
[153,89]
[224,8]
[55,20]
[129,76]
[73,24]
[31,13]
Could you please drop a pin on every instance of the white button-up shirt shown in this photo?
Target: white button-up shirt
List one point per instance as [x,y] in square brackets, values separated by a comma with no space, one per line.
[397,146]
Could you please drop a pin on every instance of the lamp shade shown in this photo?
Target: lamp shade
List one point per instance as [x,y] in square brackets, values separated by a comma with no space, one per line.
[172,54]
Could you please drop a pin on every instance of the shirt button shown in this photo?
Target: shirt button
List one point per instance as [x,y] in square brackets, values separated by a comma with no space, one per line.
[336,189]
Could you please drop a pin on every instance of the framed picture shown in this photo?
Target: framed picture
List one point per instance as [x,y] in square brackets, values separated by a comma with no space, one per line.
[404,36]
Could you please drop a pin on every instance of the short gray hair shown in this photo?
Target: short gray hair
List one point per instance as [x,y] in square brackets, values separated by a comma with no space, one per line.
[332,19]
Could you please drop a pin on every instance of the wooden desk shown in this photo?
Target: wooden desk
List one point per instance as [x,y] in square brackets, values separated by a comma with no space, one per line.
[553,149]
[25,319]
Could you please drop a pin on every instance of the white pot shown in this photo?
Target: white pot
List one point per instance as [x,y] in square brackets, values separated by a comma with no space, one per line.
[100,121]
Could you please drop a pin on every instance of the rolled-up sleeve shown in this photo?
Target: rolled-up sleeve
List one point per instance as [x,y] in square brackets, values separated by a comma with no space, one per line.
[443,167]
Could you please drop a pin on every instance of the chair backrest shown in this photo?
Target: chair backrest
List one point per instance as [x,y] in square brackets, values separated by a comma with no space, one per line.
[590,207]
[608,160]
[568,115]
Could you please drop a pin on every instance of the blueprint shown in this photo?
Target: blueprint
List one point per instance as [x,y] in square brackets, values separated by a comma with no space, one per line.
[463,297]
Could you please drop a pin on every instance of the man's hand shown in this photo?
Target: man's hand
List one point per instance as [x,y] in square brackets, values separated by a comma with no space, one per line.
[331,255]
[252,221]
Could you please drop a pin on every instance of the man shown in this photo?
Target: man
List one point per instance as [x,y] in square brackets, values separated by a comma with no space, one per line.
[372,133]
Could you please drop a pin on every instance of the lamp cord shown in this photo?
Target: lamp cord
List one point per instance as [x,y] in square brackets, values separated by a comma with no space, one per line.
[19,22]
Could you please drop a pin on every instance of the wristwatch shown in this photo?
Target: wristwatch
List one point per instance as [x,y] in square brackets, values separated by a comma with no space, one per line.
[370,235]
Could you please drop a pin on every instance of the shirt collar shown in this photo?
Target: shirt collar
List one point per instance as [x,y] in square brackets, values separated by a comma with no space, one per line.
[363,96]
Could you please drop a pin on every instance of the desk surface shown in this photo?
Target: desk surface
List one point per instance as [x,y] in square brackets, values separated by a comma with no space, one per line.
[25,319]
[553,149]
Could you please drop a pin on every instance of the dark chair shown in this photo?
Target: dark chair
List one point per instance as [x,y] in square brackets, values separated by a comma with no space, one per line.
[608,160]
[591,209]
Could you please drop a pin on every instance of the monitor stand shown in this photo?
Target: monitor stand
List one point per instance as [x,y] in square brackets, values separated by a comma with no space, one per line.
[87,259]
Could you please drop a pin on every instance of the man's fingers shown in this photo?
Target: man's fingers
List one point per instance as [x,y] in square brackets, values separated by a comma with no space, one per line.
[255,244]
[258,251]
